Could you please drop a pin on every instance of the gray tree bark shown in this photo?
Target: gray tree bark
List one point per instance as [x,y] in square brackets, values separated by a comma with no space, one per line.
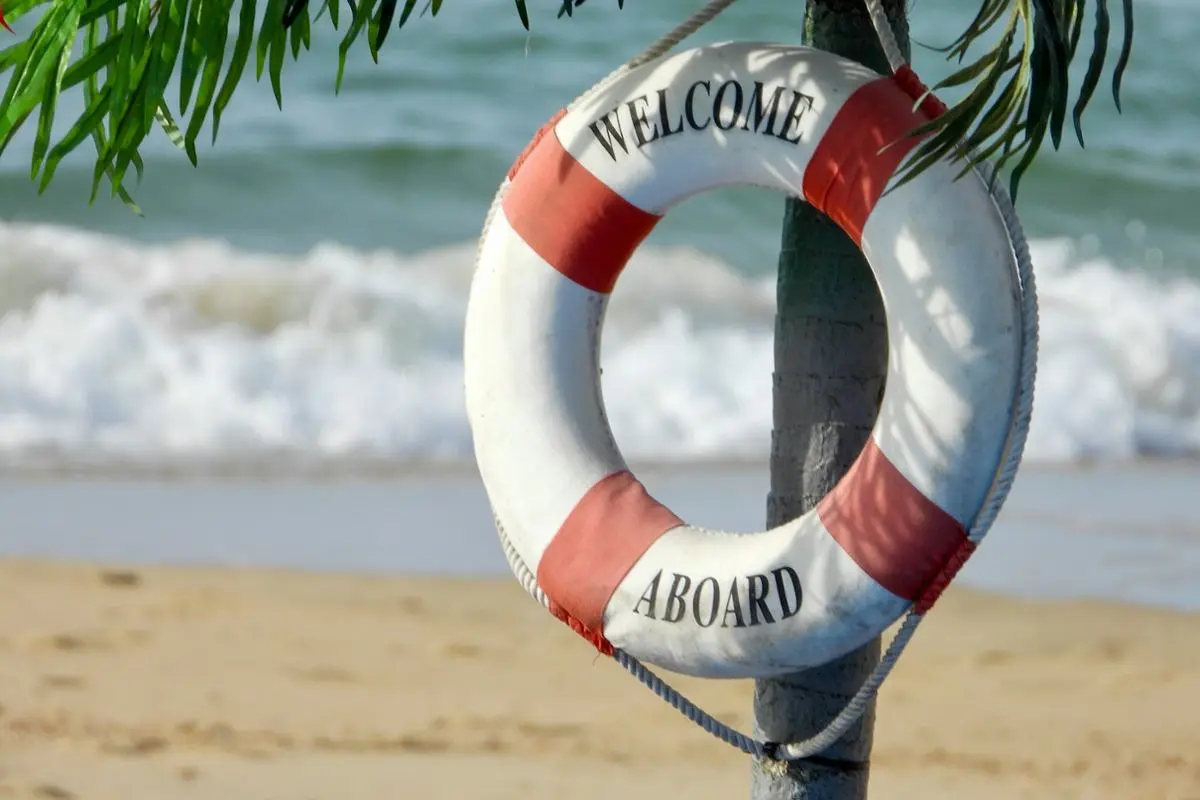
[830,369]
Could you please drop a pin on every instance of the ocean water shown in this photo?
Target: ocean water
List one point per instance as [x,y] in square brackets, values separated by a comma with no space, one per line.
[301,293]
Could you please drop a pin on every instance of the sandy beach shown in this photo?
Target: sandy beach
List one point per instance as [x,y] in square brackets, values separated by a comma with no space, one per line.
[137,682]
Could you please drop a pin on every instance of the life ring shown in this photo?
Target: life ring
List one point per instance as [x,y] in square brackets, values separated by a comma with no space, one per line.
[618,566]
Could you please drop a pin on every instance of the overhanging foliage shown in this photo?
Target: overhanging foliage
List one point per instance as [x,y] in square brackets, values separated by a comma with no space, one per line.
[132,48]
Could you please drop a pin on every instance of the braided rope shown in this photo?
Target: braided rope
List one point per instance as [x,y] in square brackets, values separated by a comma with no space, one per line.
[1014,445]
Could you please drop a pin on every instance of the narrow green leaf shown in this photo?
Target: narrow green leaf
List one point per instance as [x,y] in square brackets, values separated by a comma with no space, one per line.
[1126,51]
[361,16]
[35,62]
[237,63]
[969,72]
[27,85]
[1091,78]
[193,56]
[166,42]
[13,54]
[214,27]
[89,120]
[300,33]
[278,51]
[387,12]
[409,5]
[523,13]
[133,44]
[41,139]
[1077,15]
[167,122]
[266,33]
[292,10]
[98,9]
[92,61]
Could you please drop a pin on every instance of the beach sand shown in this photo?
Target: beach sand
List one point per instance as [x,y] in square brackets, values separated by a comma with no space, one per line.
[224,684]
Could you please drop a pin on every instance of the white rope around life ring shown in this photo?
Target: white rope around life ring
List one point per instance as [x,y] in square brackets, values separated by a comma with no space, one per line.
[1001,481]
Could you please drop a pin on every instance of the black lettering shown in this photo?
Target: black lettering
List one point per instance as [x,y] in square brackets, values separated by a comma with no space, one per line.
[719,103]
[676,602]
[757,590]
[650,597]
[800,104]
[643,129]
[733,605]
[714,605]
[689,105]
[614,134]
[664,116]
[786,608]
[758,112]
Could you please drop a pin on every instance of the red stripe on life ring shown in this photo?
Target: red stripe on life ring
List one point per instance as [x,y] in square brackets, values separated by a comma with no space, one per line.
[858,155]
[896,534]
[572,219]
[609,529]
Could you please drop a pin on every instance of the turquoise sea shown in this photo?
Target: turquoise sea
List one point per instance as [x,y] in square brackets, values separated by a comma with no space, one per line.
[301,292]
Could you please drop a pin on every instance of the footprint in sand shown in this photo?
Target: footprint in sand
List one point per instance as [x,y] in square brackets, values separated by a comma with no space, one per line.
[993,658]
[63,681]
[462,650]
[120,578]
[136,746]
[90,640]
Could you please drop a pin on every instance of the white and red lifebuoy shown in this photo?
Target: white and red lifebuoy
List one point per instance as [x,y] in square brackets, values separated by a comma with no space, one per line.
[618,566]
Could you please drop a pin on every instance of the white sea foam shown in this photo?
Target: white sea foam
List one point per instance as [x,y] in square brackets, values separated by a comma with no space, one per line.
[111,349]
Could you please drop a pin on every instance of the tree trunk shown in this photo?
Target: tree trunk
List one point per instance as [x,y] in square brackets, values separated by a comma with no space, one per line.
[830,368]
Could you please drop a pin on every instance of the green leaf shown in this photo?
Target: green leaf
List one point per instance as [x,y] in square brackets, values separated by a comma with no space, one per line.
[387,12]
[301,34]
[362,13]
[13,54]
[1034,101]
[1091,78]
[134,39]
[272,46]
[166,42]
[99,9]
[92,62]
[27,88]
[1126,52]
[41,139]
[237,63]
[409,5]
[167,122]
[89,120]
[193,56]
[214,26]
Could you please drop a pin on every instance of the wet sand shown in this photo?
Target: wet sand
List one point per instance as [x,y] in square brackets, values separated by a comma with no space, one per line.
[226,683]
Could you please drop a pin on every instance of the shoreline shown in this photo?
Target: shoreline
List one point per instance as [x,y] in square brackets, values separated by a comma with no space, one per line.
[1129,534]
[241,683]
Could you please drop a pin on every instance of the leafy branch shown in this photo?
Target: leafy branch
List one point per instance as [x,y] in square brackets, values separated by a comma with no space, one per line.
[1037,44]
[130,50]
